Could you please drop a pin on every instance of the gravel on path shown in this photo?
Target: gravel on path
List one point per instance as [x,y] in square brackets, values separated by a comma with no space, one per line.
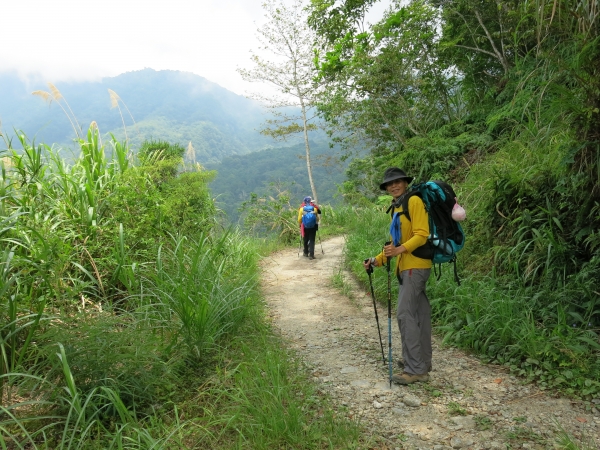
[465,405]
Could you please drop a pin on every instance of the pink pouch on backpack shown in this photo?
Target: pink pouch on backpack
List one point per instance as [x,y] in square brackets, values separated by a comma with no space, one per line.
[458,212]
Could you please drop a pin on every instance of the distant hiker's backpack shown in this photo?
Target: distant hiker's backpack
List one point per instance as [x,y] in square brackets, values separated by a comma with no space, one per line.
[309,218]
[446,236]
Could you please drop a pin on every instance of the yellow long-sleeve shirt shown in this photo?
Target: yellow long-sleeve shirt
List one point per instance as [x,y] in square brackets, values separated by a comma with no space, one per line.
[414,234]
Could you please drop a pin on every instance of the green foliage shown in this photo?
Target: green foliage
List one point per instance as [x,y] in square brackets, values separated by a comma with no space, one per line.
[482,422]
[385,85]
[271,403]
[533,332]
[188,206]
[156,150]
[123,353]
[511,86]
[455,409]
[83,423]
[444,154]
[502,100]
[272,214]
[570,442]
[132,307]
[208,285]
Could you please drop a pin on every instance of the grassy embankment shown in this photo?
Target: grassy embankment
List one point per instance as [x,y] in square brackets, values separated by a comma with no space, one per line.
[131,320]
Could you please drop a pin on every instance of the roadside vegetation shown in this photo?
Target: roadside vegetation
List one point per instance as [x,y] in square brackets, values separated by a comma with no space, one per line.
[131,319]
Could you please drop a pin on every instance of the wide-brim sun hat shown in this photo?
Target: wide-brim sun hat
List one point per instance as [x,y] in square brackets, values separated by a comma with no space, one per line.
[394,173]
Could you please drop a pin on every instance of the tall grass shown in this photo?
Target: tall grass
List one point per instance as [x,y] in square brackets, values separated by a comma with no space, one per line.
[73,420]
[208,285]
[261,398]
[120,301]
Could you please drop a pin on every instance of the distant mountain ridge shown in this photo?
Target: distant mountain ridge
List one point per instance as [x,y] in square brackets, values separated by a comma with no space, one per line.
[171,105]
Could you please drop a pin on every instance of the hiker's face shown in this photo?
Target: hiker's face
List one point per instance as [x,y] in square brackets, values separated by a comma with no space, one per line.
[396,187]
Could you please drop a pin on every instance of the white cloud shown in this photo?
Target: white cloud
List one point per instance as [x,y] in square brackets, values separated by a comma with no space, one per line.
[80,39]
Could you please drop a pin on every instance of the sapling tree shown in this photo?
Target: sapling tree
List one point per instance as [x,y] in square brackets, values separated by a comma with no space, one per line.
[289,41]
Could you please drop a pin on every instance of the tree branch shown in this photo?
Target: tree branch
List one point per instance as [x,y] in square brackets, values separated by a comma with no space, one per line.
[499,55]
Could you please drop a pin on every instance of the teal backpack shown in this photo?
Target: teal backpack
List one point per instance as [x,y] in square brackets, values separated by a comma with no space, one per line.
[446,236]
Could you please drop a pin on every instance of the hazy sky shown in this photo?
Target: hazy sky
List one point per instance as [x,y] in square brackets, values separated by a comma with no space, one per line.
[79,39]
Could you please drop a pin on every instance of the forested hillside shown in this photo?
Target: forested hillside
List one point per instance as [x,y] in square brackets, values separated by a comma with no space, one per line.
[273,171]
[169,105]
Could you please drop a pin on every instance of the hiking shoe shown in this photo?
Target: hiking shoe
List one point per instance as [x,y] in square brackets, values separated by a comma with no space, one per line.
[409,378]
[305,255]
[401,365]
[311,257]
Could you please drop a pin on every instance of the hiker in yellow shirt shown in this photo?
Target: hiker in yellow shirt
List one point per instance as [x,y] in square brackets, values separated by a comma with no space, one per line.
[414,311]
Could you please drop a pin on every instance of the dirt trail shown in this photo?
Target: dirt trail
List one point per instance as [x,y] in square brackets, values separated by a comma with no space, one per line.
[465,405]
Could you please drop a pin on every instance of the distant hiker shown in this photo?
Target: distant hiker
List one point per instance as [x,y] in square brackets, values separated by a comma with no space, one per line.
[308,218]
[414,312]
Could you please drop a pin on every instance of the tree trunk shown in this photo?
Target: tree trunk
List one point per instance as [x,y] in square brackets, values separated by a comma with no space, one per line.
[307,145]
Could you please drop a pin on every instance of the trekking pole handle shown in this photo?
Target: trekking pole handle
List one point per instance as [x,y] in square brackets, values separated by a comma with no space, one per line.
[388,259]
[371,262]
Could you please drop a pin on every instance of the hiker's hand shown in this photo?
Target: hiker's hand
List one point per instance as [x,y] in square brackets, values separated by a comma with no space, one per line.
[390,251]
[369,262]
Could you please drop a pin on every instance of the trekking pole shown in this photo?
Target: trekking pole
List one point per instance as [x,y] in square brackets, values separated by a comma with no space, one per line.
[369,272]
[389,292]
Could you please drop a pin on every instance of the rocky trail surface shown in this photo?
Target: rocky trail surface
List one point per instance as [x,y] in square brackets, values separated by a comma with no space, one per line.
[465,405]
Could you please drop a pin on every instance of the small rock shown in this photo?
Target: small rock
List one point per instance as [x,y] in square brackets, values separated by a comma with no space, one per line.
[466,422]
[349,369]
[411,400]
[457,442]
[377,405]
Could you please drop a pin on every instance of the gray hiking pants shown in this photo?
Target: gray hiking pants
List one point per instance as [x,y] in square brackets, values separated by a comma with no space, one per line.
[414,321]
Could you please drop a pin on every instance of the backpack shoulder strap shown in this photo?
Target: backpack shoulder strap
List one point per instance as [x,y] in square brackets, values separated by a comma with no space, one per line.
[403,201]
